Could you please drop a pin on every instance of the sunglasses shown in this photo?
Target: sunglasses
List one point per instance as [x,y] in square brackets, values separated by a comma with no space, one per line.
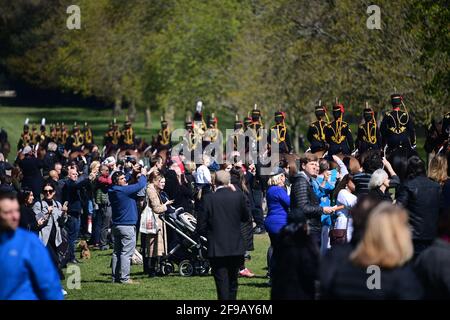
[49,191]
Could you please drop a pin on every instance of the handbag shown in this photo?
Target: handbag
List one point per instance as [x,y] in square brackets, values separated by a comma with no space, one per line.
[149,225]
[338,236]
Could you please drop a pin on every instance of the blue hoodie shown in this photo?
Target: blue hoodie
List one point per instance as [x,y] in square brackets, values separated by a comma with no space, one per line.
[27,272]
[123,202]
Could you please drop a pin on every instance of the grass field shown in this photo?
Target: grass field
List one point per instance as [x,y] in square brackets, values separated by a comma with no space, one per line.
[96,281]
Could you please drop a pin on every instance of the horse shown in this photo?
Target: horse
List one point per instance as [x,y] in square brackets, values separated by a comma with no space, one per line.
[398,158]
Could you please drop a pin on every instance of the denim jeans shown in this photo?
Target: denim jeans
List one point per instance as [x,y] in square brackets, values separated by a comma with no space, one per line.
[73,229]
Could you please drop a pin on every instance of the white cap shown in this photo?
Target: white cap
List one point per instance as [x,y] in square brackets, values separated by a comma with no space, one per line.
[109,160]
[27,150]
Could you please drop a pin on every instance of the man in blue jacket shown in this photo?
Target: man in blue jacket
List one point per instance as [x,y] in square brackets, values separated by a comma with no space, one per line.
[124,218]
[27,272]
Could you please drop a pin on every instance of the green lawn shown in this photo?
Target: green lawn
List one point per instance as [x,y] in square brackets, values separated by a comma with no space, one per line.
[96,281]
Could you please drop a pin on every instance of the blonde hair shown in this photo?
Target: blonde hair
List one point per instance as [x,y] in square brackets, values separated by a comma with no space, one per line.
[387,239]
[438,169]
[274,180]
[94,164]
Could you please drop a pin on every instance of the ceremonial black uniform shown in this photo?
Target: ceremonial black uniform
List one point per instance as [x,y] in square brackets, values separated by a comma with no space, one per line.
[278,134]
[88,136]
[163,139]
[76,141]
[369,137]
[397,127]
[25,138]
[127,138]
[316,131]
[338,134]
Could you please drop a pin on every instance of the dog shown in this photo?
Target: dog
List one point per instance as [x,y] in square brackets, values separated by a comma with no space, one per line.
[85,252]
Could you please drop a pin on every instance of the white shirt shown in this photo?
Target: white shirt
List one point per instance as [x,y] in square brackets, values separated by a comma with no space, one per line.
[203,176]
[348,200]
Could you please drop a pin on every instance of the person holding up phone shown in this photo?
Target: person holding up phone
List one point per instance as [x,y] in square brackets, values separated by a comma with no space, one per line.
[54,216]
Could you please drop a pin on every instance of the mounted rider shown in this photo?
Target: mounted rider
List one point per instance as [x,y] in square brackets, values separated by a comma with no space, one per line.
[338,134]
[279,134]
[369,137]
[316,130]
[75,142]
[25,137]
[127,138]
[88,136]
[397,127]
[163,139]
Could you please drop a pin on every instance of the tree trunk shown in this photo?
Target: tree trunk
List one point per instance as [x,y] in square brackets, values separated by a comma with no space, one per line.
[295,139]
[132,111]
[117,107]
[170,115]
[148,118]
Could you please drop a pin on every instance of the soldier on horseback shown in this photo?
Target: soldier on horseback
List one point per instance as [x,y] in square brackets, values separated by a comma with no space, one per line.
[316,130]
[163,139]
[25,137]
[43,138]
[75,142]
[279,134]
[397,128]
[127,141]
[212,133]
[53,137]
[34,135]
[88,136]
[369,137]
[338,134]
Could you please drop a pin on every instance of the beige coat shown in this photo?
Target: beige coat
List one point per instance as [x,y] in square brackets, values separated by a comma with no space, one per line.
[157,244]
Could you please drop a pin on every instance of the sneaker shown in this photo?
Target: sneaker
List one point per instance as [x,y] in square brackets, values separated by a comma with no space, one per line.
[248,257]
[103,248]
[246,273]
[64,292]
[129,281]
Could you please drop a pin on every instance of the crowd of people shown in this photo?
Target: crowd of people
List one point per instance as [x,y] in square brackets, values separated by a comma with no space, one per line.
[327,221]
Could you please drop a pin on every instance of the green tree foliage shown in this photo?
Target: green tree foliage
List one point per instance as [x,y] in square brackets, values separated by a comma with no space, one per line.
[287,54]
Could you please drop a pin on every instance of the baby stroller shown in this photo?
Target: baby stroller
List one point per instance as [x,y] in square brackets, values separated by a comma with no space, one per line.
[190,251]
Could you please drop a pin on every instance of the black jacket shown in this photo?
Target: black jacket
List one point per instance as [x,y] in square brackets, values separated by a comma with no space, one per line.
[182,194]
[381,196]
[32,177]
[432,267]
[220,221]
[72,194]
[420,196]
[341,279]
[296,266]
[304,203]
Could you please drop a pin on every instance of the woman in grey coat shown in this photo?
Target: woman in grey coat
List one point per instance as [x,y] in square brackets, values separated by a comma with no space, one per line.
[54,215]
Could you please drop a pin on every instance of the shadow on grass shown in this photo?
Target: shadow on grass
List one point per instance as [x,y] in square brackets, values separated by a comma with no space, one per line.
[97,281]
[256,285]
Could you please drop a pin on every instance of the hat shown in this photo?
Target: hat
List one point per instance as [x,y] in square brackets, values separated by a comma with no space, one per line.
[339,107]
[280,115]
[277,171]
[396,99]
[27,150]
[256,114]
[109,161]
